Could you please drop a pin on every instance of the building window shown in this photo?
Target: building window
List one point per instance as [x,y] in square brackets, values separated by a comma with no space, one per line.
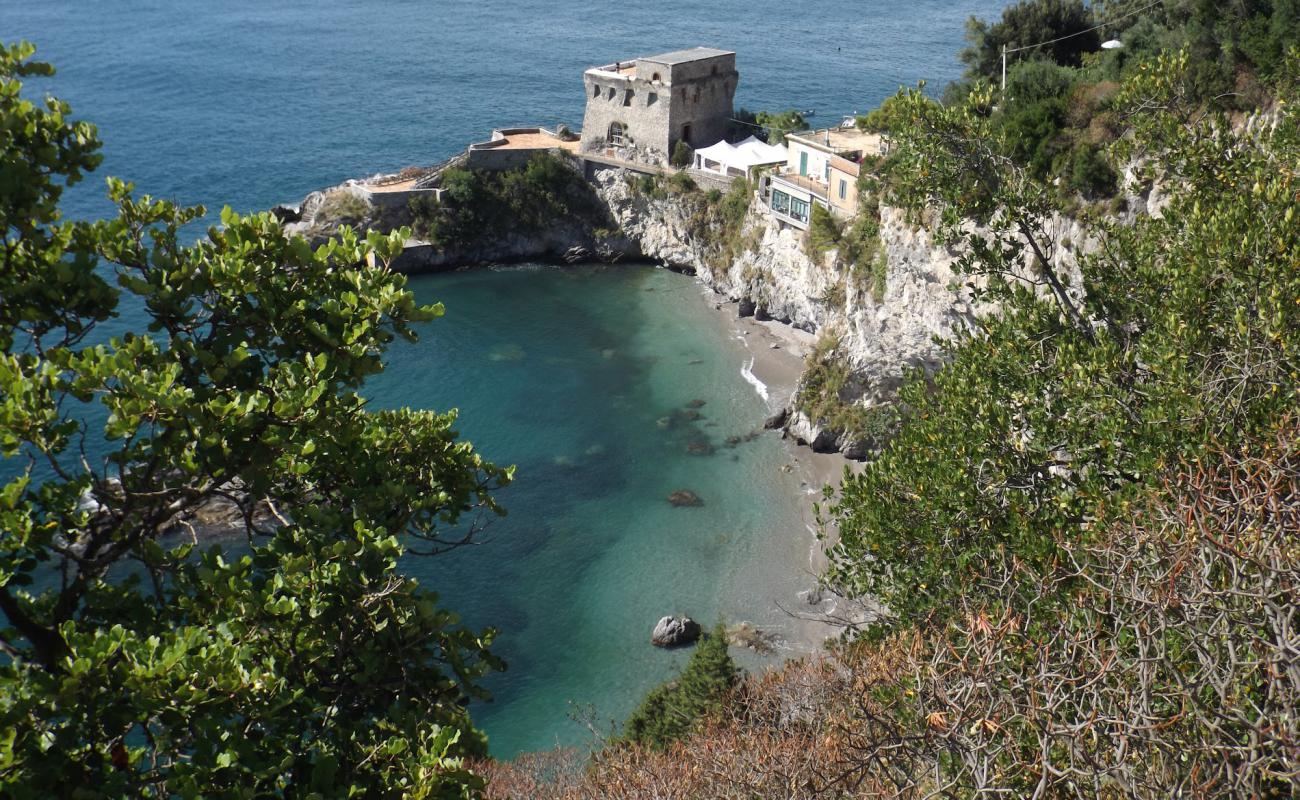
[655,77]
[651,99]
[627,97]
[595,92]
[610,96]
[617,134]
[799,209]
[780,201]
[844,188]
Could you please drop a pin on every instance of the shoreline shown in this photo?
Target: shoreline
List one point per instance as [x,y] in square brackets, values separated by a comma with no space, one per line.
[778,352]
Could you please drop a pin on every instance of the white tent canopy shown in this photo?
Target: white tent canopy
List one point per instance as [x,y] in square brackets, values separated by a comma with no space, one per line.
[725,158]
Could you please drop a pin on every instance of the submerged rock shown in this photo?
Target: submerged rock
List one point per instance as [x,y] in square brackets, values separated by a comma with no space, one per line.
[675,632]
[749,636]
[696,403]
[685,498]
[699,447]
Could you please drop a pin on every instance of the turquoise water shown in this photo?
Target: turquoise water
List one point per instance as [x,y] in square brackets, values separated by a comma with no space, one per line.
[565,373]
[585,388]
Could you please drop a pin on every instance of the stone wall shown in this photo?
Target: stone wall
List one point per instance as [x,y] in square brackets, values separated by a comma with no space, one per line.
[690,101]
[644,113]
[496,154]
[399,199]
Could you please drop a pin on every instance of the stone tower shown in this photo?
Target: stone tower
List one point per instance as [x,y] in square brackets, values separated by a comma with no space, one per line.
[642,108]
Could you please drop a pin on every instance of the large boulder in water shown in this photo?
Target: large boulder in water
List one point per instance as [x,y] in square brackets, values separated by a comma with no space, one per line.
[675,632]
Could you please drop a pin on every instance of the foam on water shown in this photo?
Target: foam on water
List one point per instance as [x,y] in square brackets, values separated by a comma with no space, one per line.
[746,372]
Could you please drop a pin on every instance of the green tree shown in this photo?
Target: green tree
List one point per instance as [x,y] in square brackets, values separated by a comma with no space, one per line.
[671,710]
[683,155]
[1059,25]
[779,123]
[139,661]
[1179,331]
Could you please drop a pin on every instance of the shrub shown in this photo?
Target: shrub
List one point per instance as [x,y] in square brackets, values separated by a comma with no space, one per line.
[671,710]
[823,233]
[879,276]
[344,207]
[482,203]
[825,396]
[1091,174]
[1031,132]
[681,183]
[683,155]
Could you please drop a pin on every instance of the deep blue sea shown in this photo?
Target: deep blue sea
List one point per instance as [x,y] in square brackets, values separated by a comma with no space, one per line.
[567,373]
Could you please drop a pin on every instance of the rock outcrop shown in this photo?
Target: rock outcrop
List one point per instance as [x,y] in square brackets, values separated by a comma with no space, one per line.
[675,632]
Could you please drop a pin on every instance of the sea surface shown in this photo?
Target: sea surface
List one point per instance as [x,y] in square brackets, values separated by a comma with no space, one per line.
[579,376]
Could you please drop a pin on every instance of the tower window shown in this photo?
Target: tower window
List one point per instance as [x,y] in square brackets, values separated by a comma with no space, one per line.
[627,97]
[595,92]
[617,134]
[655,77]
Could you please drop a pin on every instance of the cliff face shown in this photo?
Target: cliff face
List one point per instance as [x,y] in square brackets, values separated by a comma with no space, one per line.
[774,276]
[882,325]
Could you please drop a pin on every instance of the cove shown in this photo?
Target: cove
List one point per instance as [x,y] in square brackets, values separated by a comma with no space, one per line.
[583,378]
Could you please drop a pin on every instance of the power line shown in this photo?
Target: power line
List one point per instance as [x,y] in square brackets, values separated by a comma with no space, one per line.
[1006,50]
[1080,33]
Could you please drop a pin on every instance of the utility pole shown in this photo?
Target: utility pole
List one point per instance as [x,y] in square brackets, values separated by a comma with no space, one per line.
[1004,69]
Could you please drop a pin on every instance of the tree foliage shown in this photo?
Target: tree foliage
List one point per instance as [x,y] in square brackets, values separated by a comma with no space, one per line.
[140,661]
[772,125]
[1183,330]
[478,204]
[1059,25]
[672,709]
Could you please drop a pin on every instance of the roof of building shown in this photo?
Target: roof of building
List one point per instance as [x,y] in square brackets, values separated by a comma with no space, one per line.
[692,54]
[840,140]
[743,155]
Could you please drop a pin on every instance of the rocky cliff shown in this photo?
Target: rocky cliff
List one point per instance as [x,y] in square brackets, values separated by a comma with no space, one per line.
[878,326]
